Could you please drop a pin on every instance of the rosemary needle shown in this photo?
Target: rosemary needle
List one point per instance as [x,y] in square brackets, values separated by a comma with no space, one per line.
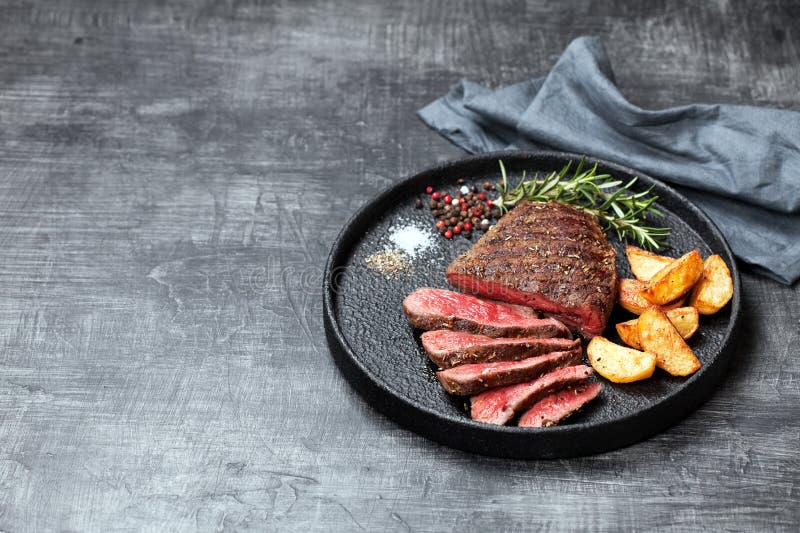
[610,200]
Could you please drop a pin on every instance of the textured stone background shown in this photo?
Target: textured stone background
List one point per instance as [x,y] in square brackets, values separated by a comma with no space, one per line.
[171,179]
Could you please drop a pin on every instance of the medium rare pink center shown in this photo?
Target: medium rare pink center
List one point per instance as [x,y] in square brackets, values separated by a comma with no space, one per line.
[453,303]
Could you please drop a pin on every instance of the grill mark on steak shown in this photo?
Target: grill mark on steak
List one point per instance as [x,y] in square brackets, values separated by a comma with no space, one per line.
[532,257]
[433,309]
[562,226]
[556,407]
[452,348]
[469,379]
[498,406]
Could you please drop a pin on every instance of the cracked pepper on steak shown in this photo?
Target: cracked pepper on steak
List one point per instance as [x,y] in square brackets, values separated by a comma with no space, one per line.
[547,255]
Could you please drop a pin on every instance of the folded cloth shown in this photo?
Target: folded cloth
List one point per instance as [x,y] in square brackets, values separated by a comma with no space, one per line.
[741,164]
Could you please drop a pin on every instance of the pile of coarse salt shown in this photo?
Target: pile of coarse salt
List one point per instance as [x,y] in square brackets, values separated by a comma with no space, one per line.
[411,239]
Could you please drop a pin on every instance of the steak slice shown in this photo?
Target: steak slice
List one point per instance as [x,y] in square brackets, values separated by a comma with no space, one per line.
[429,309]
[466,380]
[556,407]
[547,255]
[452,348]
[499,406]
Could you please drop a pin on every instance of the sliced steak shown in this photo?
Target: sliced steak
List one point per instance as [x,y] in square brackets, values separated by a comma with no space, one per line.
[451,348]
[556,407]
[442,309]
[466,380]
[549,256]
[498,406]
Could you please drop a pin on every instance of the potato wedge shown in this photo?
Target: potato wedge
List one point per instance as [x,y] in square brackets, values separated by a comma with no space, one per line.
[715,288]
[629,333]
[630,297]
[617,363]
[675,279]
[644,264]
[685,319]
[658,336]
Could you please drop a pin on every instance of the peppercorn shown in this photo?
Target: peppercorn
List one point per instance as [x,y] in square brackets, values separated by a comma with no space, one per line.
[453,221]
[484,224]
[467,226]
[436,195]
[429,189]
[457,230]
[460,181]
[447,199]
[440,223]
[495,212]
[418,203]
[489,202]
[487,186]
[432,204]
[436,212]
[482,196]
[448,207]
[463,214]
[448,234]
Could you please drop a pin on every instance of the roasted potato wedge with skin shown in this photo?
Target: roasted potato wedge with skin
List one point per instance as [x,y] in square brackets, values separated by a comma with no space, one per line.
[685,319]
[617,363]
[675,279]
[658,336]
[629,333]
[714,289]
[644,265]
[630,297]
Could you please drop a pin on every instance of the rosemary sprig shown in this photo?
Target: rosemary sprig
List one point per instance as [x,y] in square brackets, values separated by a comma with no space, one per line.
[608,199]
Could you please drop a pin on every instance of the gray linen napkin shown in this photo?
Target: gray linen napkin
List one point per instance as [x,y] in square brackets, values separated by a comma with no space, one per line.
[741,164]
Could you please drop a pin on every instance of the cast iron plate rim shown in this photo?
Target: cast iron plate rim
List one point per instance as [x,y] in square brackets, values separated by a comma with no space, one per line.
[673,408]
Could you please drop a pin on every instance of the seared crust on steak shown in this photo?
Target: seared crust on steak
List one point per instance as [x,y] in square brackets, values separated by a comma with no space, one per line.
[498,406]
[556,407]
[452,348]
[547,255]
[465,380]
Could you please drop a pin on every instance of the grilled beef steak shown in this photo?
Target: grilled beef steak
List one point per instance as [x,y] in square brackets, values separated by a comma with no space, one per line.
[451,348]
[550,256]
[498,406]
[556,407]
[466,380]
[442,309]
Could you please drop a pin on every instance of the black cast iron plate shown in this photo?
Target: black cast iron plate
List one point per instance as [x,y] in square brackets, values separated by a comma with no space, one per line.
[380,355]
